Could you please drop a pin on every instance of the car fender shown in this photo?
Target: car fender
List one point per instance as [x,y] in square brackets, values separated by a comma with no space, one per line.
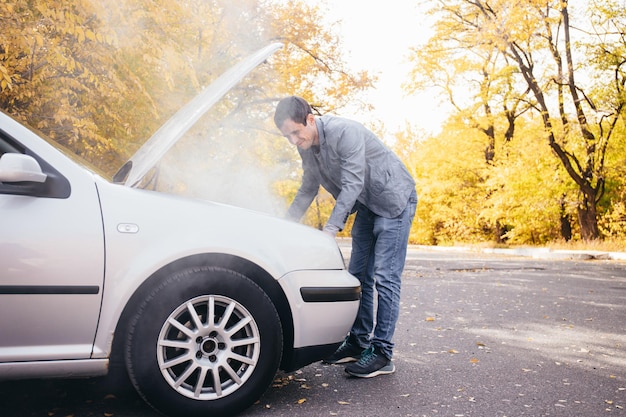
[145,231]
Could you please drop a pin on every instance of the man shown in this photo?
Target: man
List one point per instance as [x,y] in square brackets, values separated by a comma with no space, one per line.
[366,177]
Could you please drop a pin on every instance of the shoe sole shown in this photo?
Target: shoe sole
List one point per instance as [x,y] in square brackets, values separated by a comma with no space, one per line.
[342,360]
[382,371]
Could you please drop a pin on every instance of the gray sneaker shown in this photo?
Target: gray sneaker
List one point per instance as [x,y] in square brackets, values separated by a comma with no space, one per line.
[349,351]
[372,363]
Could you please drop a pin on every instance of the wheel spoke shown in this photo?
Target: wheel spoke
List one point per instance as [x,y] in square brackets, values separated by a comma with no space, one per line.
[226,315]
[194,316]
[190,369]
[244,342]
[178,360]
[232,373]
[242,358]
[187,331]
[217,383]
[178,344]
[200,382]
[243,322]
[211,311]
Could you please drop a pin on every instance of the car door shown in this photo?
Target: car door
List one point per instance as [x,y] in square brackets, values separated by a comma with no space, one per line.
[51,256]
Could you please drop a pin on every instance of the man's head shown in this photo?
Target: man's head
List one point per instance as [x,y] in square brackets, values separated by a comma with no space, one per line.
[294,118]
[294,108]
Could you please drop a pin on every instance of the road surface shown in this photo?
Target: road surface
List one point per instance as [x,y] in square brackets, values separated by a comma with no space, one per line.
[478,335]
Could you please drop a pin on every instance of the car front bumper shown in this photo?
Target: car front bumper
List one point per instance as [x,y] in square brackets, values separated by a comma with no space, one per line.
[324,305]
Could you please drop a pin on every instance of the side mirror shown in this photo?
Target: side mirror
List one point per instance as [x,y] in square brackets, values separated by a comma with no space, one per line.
[17,167]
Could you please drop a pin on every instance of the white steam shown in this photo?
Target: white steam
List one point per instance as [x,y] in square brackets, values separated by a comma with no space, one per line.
[234,162]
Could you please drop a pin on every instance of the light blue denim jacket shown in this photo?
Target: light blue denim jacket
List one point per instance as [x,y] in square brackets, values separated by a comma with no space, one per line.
[352,164]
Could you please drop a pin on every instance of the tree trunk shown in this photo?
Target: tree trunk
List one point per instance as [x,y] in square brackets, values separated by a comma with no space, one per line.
[566,223]
[588,219]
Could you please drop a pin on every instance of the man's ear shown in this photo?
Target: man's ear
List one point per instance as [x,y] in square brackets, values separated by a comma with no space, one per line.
[309,118]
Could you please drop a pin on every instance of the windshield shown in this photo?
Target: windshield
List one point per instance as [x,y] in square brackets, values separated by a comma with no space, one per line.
[75,157]
[8,144]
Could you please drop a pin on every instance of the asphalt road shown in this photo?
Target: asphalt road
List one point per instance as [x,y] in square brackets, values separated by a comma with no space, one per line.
[478,335]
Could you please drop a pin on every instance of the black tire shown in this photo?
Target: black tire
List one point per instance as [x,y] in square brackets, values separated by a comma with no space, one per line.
[197,327]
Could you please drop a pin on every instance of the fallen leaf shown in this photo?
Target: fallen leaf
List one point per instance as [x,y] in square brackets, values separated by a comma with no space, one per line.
[430,319]
[343,402]
[301,400]
[453,351]
[474,360]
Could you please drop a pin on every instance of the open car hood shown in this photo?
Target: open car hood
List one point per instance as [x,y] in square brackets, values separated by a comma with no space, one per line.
[132,172]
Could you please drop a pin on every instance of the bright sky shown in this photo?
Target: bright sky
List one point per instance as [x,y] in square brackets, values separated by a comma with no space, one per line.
[378,36]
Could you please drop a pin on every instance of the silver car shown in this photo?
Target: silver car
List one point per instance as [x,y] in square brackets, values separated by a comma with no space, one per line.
[201,302]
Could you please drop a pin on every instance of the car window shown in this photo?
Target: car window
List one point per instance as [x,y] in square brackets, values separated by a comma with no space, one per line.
[55,186]
[9,144]
[7,147]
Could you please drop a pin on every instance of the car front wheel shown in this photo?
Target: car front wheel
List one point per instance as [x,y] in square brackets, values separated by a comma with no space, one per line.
[206,341]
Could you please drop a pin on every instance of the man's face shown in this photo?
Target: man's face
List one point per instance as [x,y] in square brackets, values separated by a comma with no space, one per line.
[303,136]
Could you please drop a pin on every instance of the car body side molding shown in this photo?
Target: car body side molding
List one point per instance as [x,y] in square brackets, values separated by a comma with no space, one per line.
[49,289]
[330,295]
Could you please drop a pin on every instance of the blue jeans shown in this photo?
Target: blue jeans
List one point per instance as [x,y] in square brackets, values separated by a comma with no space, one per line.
[378,254]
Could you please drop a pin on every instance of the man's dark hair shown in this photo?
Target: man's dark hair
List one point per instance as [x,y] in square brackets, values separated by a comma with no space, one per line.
[294,108]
